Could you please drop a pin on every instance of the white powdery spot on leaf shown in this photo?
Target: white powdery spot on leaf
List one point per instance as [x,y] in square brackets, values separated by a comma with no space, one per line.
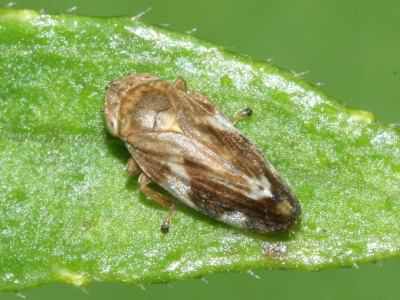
[277,82]
[384,138]
[307,99]
[186,65]
[162,40]
[44,20]
[376,245]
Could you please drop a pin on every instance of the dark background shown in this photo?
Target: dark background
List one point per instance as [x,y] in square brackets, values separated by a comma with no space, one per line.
[351,48]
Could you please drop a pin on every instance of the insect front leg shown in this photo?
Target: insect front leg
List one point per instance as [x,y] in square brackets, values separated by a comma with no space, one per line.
[133,168]
[180,84]
[242,114]
[161,199]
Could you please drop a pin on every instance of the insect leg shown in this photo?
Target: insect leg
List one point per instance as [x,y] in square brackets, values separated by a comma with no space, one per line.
[161,199]
[242,114]
[180,84]
[133,168]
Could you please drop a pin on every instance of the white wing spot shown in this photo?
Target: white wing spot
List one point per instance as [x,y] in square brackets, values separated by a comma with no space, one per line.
[235,218]
[220,122]
[179,188]
[260,188]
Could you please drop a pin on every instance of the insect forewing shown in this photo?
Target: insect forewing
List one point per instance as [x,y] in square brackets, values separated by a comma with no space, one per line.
[186,146]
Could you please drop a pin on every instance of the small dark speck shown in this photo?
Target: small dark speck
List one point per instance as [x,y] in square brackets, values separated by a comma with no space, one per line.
[164,228]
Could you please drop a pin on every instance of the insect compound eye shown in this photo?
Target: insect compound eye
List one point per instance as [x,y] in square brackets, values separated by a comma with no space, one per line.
[111,113]
[113,125]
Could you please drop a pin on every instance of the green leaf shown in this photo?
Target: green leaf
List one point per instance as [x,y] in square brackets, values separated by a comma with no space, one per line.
[69,212]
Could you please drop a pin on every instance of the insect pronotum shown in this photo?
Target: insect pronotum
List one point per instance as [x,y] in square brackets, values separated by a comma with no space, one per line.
[180,141]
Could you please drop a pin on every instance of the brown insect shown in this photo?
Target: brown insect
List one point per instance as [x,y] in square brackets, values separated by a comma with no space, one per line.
[180,141]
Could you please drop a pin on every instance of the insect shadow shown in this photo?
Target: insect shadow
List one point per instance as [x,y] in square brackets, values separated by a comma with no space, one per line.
[116,147]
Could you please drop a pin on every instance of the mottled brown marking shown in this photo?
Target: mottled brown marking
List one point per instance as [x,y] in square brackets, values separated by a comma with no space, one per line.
[178,137]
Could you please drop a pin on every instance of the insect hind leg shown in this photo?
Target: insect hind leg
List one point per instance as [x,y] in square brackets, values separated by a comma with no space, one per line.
[159,198]
[242,114]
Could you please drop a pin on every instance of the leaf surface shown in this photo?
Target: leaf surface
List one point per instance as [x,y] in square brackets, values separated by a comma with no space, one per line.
[69,212]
